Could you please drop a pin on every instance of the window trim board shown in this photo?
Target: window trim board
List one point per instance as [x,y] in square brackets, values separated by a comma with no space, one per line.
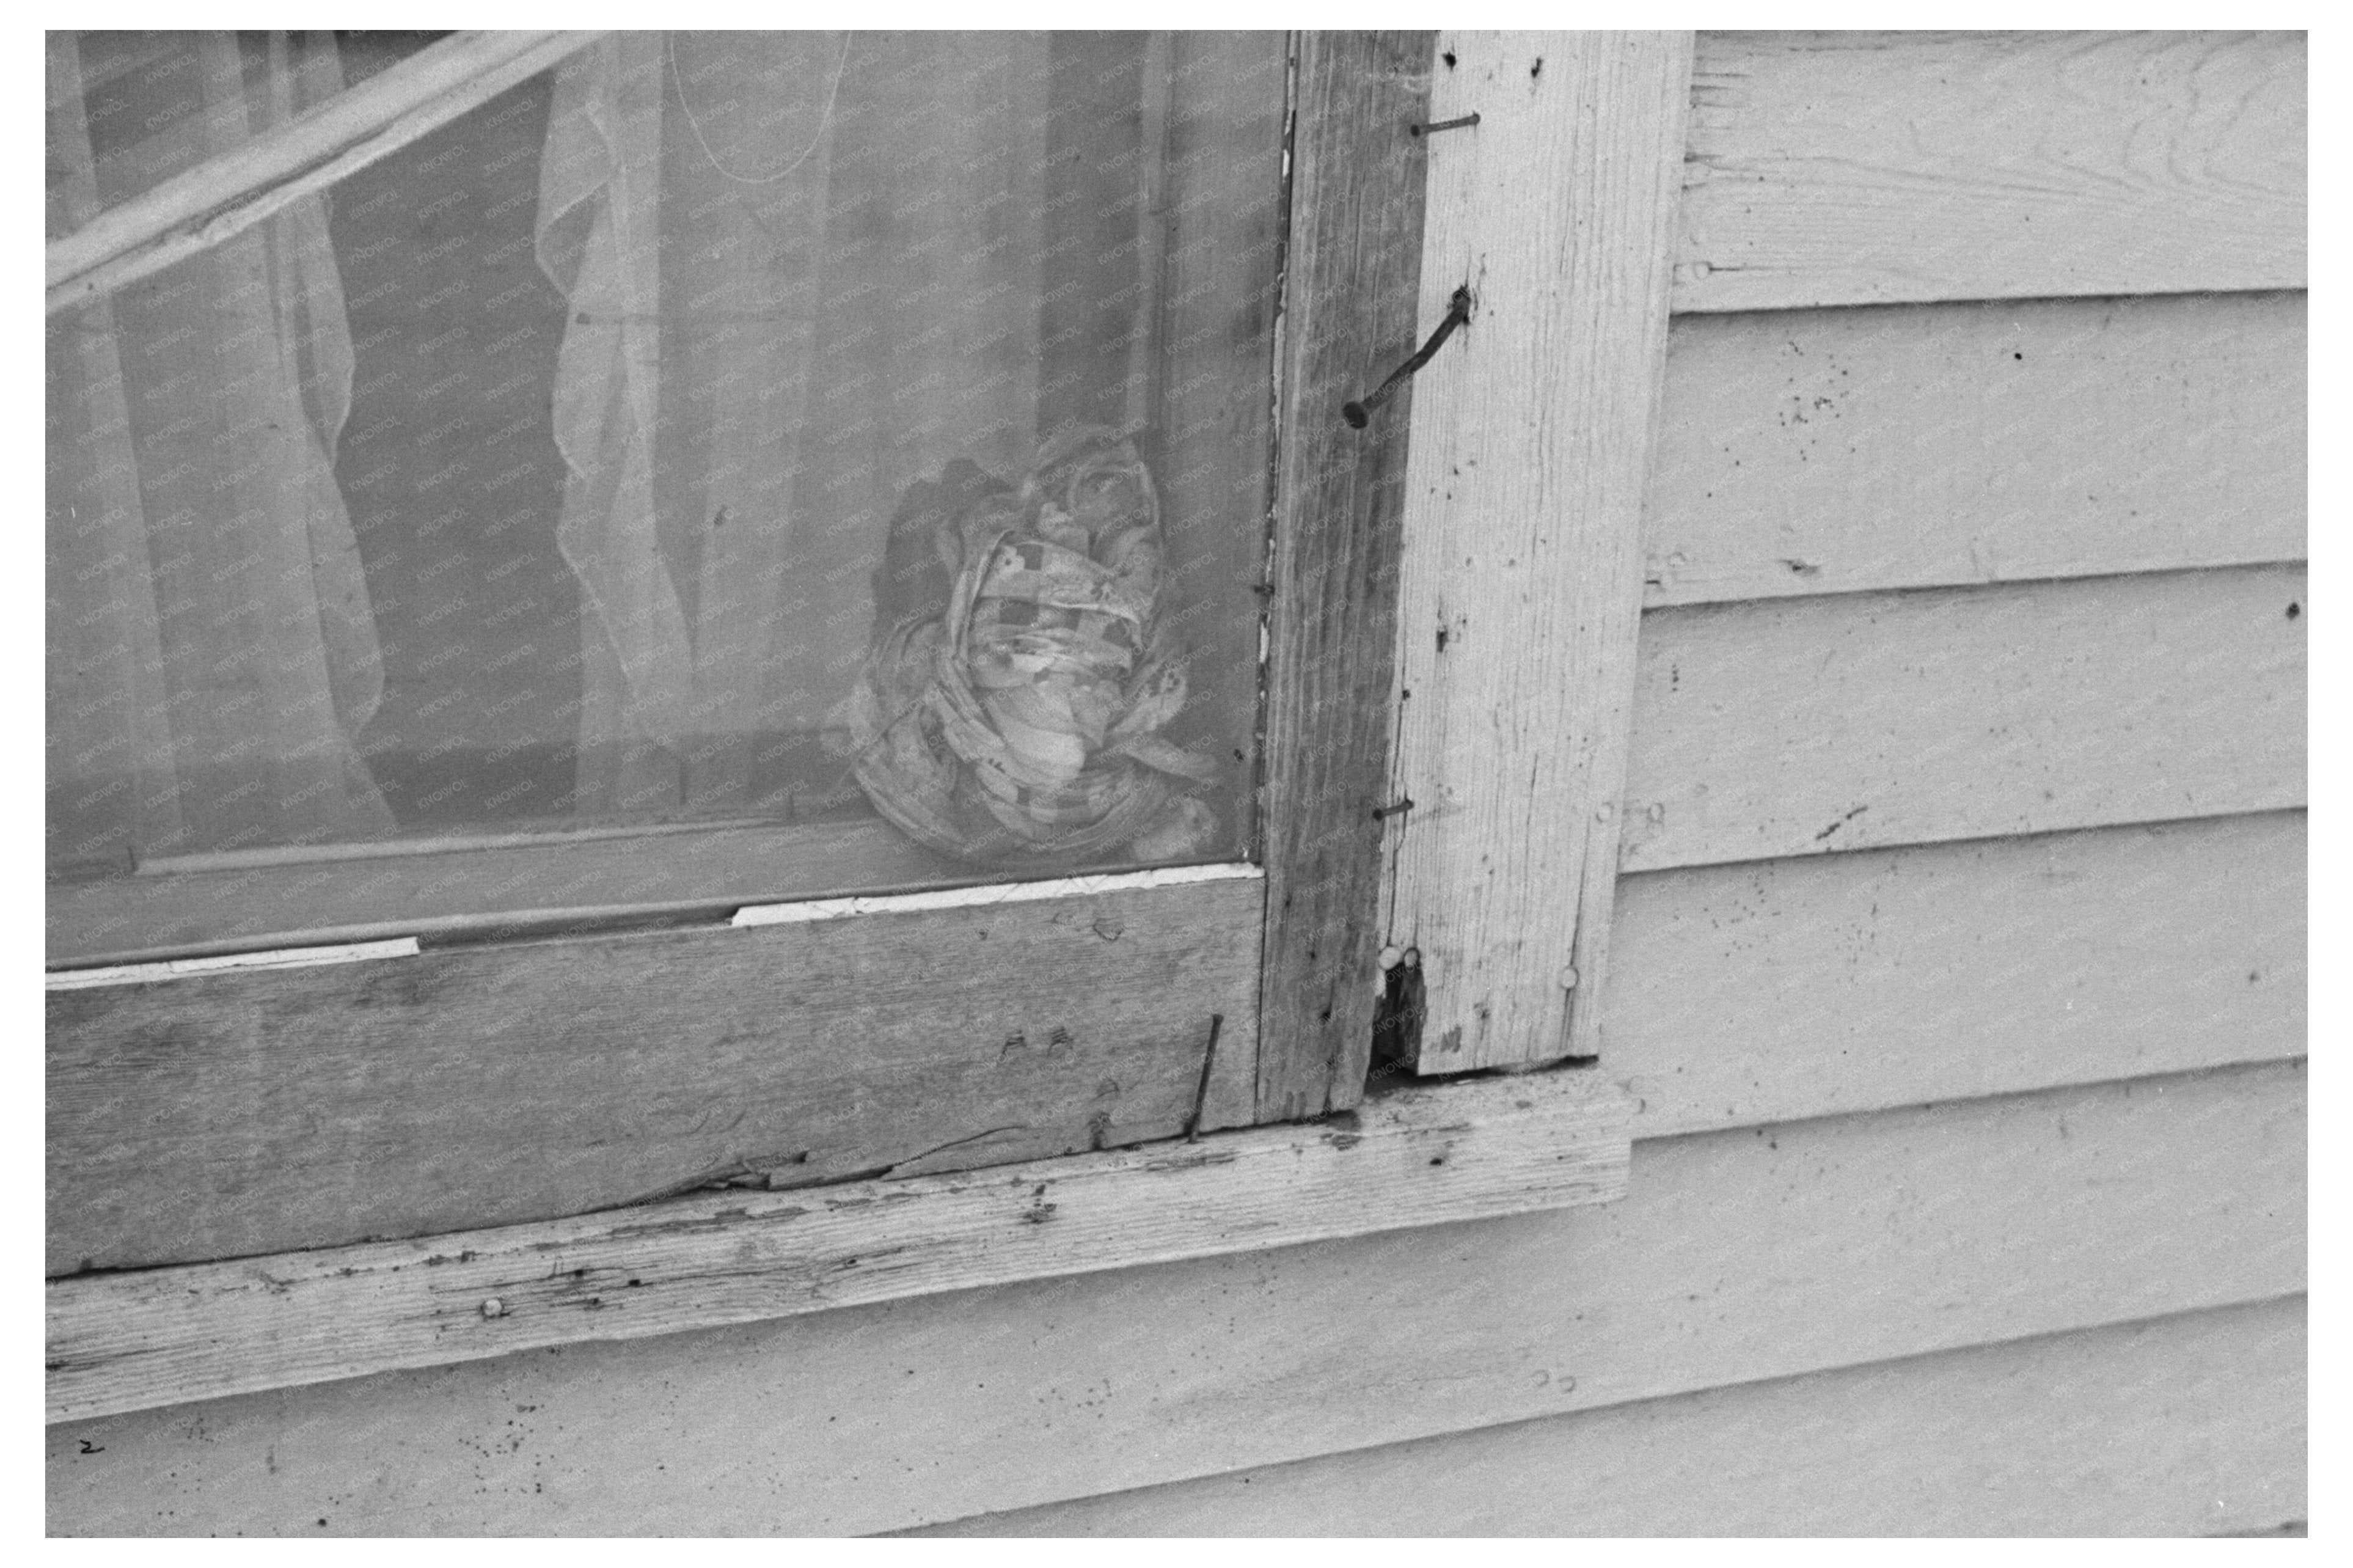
[1520,588]
[1420,1157]
[1351,273]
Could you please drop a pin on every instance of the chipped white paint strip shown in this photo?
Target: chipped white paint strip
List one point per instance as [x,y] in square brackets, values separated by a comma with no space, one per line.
[992,893]
[276,958]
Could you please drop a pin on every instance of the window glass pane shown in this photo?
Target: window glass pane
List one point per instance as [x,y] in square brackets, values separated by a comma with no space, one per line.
[855,434]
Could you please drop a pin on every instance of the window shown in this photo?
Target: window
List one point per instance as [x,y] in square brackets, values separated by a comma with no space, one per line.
[849,449]
[451,505]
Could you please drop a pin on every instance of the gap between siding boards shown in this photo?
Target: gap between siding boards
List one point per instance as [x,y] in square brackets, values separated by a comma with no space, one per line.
[801,911]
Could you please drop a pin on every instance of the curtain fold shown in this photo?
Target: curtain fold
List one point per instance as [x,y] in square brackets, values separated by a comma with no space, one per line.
[746,177]
[833,294]
[598,241]
[211,648]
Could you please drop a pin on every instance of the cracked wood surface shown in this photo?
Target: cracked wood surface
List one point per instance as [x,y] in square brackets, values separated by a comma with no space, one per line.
[251,1112]
[1868,168]
[1521,582]
[1355,252]
[121,1341]
[1735,1256]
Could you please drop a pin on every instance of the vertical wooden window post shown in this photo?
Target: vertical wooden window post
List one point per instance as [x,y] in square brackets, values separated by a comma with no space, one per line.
[1357,183]
[1521,581]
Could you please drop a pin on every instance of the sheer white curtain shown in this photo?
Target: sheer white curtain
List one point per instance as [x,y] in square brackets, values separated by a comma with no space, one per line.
[803,272]
[599,241]
[210,647]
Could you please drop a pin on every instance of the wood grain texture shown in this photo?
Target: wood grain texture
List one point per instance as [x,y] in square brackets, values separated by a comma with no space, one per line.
[2185,1426]
[500,890]
[1350,272]
[1754,993]
[228,1114]
[1520,588]
[1866,168]
[162,1337]
[1828,451]
[1735,1257]
[1862,721]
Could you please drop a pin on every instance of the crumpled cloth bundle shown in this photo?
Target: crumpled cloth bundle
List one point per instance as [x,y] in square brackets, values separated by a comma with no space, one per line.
[1011,711]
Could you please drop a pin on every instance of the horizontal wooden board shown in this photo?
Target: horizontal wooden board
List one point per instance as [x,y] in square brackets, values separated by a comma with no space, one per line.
[2185,1426]
[1860,721]
[1828,451]
[166,1336]
[1775,989]
[1856,168]
[478,891]
[241,1112]
[1735,1256]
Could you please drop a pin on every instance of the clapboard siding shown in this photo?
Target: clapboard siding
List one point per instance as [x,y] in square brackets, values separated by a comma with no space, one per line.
[2185,1426]
[1859,168]
[1857,721]
[1738,1257]
[1775,989]
[1828,451]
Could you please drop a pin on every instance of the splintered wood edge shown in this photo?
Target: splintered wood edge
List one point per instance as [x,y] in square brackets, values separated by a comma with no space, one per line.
[1522,548]
[1352,272]
[1424,1156]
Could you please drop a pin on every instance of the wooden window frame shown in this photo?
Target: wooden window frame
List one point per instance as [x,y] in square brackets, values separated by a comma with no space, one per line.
[474,1099]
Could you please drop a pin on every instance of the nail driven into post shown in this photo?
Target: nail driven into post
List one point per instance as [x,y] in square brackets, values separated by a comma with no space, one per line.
[1360,414]
[1435,126]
